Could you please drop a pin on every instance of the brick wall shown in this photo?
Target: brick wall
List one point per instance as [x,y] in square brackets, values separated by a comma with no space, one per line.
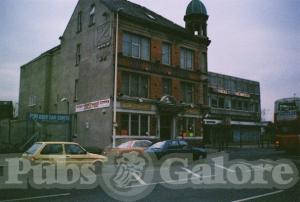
[156,87]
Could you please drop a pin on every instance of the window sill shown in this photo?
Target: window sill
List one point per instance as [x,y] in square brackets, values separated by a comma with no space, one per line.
[135,58]
[188,70]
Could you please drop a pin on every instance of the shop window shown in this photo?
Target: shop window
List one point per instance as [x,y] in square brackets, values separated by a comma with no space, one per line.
[124,124]
[144,121]
[187,127]
[132,124]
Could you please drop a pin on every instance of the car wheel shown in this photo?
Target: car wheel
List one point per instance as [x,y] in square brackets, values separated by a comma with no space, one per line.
[98,167]
[195,157]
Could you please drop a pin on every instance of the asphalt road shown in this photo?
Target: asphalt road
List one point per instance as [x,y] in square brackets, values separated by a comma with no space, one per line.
[163,193]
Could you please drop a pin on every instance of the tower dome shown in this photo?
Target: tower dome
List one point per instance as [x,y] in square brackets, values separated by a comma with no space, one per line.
[196,7]
[196,18]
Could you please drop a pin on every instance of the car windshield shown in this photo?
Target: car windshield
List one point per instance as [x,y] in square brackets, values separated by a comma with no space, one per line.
[33,148]
[158,145]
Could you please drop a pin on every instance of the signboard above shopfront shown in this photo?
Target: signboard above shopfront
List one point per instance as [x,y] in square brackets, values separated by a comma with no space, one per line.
[227,92]
[93,105]
[64,118]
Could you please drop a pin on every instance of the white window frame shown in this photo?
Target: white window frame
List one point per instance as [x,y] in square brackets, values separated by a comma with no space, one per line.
[32,101]
[92,18]
[168,53]
[139,45]
[139,124]
[185,55]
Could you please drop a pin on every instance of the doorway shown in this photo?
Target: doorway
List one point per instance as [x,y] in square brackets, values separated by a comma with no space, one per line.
[165,127]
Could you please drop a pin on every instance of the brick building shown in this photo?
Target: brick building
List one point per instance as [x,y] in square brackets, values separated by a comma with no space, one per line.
[161,77]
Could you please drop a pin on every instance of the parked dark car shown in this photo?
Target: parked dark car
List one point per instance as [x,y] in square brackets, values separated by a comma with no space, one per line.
[163,148]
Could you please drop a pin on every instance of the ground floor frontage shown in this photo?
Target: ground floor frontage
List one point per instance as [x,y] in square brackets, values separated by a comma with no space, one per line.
[160,121]
[242,132]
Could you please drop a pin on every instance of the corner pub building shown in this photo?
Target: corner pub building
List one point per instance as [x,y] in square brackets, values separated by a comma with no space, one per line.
[161,74]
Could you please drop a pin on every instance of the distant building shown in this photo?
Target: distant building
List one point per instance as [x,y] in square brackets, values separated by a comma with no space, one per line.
[162,74]
[235,104]
[6,110]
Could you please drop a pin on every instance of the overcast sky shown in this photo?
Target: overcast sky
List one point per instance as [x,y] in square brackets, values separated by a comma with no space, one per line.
[253,39]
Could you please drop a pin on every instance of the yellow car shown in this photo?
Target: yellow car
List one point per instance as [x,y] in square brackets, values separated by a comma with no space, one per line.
[61,152]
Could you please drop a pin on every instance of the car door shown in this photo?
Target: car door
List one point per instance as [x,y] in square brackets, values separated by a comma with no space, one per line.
[51,153]
[172,147]
[76,154]
[185,148]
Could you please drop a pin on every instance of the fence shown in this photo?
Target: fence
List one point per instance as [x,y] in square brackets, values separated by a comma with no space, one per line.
[18,135]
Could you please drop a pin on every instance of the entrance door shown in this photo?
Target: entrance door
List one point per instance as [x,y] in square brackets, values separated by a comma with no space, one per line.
[165,127]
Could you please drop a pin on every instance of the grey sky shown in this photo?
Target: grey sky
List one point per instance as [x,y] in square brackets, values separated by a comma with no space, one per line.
[253,39]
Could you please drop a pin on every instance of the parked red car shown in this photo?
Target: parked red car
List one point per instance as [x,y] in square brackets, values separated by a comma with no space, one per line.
[132,145]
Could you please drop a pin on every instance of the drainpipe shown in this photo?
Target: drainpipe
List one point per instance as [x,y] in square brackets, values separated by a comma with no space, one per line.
[116,79]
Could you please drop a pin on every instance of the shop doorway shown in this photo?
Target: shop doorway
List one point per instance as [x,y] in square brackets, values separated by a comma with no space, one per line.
[166,127]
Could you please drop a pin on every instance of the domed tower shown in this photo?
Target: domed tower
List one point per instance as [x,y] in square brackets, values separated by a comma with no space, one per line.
[196,18]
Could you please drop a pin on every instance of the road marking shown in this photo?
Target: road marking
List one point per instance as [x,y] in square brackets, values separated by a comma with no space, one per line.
[139,179]
[219,166]
[169,181]
[259,196]
[268,161]
[36,197]
[253,166]
[191,172]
